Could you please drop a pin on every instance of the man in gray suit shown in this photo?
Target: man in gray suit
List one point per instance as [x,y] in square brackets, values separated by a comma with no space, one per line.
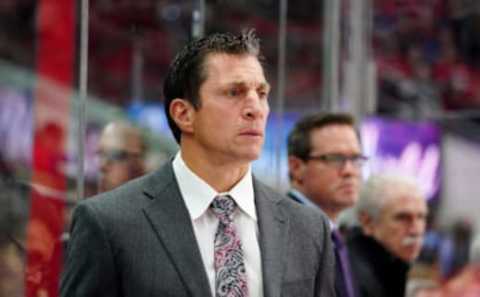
[162,234]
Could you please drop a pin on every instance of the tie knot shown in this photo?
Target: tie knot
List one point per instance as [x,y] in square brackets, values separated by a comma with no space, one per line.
[223,208]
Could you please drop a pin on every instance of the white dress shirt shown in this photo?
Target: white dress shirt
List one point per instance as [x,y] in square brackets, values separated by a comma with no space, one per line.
[198,196]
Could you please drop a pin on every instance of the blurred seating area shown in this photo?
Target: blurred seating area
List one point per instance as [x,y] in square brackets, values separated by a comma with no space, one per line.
[427,55]
[426,52]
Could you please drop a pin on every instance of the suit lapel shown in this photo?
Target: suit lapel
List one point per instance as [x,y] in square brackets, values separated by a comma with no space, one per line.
[273,228]
[170,219]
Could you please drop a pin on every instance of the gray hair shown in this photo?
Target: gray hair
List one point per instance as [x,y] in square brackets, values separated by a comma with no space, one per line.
[380,188]
[126,130]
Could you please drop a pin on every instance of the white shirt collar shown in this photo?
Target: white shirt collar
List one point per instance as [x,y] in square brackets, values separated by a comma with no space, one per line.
[198,195]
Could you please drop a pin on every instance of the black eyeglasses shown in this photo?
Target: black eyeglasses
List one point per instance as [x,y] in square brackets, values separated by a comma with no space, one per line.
[339,160]
[118,155]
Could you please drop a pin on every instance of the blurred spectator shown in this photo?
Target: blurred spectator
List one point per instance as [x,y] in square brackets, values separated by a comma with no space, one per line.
[30,245]
[13,219]
[5,170]
[121,151]
[324,162]
[455,250]
[424,281]
[423,288]
[44,240]
[392,213]
[467,282]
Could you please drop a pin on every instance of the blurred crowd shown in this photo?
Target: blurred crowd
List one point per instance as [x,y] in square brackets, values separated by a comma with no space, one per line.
[426,52]
[427,55]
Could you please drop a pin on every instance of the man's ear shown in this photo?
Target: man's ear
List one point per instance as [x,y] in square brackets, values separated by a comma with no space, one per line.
[296,169]
[367,223]
[183,113]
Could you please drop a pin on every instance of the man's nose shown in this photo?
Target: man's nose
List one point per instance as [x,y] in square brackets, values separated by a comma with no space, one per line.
[255,107]
[417,227]
[103,163]
[349,167]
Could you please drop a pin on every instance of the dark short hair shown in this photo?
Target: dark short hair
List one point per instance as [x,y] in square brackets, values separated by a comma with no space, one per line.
[299,144]
[187,72]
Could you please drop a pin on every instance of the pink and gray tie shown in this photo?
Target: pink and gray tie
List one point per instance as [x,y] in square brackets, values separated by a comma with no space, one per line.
[230,274]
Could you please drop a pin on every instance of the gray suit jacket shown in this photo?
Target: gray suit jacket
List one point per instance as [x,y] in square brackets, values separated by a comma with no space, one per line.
[138,240]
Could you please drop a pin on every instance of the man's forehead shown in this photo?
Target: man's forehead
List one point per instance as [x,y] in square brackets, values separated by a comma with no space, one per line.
[342,136]
[407,204]
[333,129]
[220,63]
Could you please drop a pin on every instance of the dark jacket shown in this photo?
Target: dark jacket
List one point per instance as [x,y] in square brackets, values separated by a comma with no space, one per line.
[377,271]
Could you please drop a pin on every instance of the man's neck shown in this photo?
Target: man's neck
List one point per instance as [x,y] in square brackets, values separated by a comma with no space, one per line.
[221,176]
[331,214]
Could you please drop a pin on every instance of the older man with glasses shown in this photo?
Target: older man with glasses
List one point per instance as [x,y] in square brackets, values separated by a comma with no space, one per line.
[324,160]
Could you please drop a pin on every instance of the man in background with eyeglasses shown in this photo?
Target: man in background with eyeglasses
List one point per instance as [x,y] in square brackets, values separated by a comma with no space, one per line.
[324,160]
[121,153]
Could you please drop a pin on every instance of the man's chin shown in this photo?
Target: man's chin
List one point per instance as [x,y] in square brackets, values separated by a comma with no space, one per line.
[348,199]
[410,255]
[249,155]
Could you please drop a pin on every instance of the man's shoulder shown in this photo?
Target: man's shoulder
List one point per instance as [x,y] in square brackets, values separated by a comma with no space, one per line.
[132,194]
[294,210]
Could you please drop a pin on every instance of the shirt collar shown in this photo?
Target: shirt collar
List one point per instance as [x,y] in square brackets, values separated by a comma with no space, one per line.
[304,200]
[198,195]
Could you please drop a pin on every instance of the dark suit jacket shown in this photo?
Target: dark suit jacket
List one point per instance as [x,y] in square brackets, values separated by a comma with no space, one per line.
[138,240]
[379,273]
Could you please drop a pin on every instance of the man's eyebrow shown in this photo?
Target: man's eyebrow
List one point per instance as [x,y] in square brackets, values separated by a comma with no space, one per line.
[241,83]
[265,85]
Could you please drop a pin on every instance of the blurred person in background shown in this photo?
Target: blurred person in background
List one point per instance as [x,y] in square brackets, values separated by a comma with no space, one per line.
[13,219]
[423,288]
[324,161]
[5,170]
[121,153]
[424,280]
[392,213]
[30,252]
[455,249]
[466,283]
